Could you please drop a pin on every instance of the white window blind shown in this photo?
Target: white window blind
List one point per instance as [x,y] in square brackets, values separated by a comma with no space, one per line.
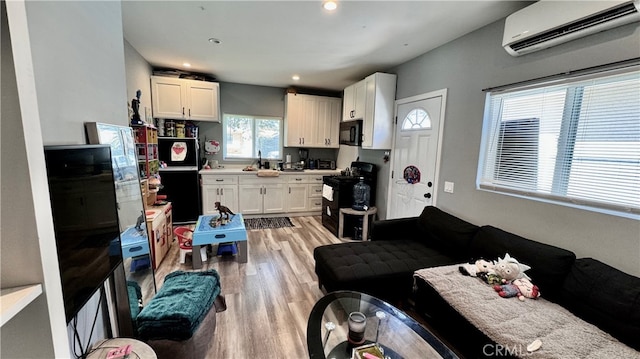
[574,142]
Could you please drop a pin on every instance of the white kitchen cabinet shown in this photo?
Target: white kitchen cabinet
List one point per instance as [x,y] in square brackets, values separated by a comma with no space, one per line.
[297,197]
[259,195]
[328,122]
[304,193]
[311,121]
[377,123]
[354,101]
[220,188]
[174,98]
[314,182]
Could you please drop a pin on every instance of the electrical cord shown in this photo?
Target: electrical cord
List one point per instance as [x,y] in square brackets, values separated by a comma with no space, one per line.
[84,351]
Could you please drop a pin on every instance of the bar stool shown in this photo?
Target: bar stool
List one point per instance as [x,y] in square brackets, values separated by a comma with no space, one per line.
[365,220]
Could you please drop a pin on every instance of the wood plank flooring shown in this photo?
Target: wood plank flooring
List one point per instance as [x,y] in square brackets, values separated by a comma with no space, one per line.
[269,298]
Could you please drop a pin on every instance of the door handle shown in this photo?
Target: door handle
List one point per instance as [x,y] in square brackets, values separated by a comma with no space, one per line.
[183,111]
[427,195]
[189,112]
[222,191]
[218,191]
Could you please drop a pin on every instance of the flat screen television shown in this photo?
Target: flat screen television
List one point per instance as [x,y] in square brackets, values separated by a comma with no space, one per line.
[85,219]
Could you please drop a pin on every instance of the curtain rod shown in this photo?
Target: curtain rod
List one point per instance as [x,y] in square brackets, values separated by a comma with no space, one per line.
[568,74]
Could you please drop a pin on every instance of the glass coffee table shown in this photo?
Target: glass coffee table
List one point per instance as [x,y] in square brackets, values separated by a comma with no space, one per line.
[398,335]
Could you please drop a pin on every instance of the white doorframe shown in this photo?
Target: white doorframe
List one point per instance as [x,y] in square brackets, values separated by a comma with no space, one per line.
[438,93]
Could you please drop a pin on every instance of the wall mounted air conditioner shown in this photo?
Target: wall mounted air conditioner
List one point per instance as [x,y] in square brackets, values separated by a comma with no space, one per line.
[549,23]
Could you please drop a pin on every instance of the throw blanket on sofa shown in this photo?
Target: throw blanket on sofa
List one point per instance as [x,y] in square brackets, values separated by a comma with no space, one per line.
[515,324]
[179,306]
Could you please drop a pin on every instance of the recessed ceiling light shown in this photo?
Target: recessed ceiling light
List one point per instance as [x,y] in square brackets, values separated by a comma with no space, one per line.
[186,64]
[295,77]
[330,5]
[213,40]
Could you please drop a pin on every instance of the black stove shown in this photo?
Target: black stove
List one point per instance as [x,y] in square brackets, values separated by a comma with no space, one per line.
[342,186]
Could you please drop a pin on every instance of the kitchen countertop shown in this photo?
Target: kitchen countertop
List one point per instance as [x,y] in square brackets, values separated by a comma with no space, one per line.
[239,171]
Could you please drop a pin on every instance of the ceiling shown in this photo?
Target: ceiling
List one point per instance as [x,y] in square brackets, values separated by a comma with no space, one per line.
[267,42]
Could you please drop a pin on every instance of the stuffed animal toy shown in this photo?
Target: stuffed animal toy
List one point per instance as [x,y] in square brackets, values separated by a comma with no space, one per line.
[509,269]
[527,289]
[521,288]
[507,290]
[476,268]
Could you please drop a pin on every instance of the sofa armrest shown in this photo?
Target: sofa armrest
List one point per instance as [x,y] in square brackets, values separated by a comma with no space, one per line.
[390,229]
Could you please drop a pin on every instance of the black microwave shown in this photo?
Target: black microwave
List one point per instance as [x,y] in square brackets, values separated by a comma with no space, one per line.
[351,133]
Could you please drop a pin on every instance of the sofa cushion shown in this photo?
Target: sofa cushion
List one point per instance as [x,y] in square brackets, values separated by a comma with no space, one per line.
[549,264]
[606,297]
[446,232]
[381,268]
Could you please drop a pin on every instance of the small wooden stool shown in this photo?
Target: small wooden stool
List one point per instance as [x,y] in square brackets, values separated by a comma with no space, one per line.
[365,220]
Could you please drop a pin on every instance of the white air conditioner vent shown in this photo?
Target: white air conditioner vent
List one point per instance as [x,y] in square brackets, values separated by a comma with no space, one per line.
[546,23]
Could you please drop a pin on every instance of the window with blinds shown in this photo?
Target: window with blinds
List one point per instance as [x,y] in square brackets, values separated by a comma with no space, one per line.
[574,141]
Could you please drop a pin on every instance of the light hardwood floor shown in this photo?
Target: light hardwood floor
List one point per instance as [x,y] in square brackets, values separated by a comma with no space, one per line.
[269,298]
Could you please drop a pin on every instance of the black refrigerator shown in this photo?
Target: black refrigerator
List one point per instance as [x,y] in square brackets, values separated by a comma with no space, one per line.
[179,158]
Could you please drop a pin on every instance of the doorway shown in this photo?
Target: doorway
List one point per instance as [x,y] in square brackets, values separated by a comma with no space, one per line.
[416,154]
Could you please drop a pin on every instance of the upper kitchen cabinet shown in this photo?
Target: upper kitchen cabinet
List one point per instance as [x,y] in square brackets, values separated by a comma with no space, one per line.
[311,121]
[377,123]
[174,98]
[354,102]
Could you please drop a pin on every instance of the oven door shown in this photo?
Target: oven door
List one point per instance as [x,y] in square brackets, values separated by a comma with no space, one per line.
[331,209]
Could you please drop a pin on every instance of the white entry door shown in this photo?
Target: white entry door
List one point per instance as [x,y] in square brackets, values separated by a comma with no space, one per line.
[416,154]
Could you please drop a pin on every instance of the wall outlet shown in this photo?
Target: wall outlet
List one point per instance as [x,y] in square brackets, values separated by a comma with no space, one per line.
[448,187]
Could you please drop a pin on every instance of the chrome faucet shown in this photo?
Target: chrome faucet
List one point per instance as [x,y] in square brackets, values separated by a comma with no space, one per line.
[259,159]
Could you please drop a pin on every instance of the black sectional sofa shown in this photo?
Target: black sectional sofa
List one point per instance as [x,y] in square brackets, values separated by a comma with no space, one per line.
[385,266]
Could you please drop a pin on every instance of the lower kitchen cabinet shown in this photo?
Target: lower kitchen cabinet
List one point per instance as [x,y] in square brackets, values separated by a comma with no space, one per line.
[221,188]
[227,195]
[304,193]
[258,195]
[297,197]
[315,197]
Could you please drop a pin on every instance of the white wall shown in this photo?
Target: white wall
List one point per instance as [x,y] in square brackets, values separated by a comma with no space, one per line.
[77,53]
[476,61]
[26,241]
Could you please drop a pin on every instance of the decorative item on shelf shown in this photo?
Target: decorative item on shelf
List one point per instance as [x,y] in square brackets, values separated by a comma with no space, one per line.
[211,147]
[191,130]
[224,211]
[160,126]
[135,105]
[170,128]
[180,129]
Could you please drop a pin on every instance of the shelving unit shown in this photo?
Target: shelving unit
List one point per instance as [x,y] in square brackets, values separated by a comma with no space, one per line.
[13,300]
[146,138]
